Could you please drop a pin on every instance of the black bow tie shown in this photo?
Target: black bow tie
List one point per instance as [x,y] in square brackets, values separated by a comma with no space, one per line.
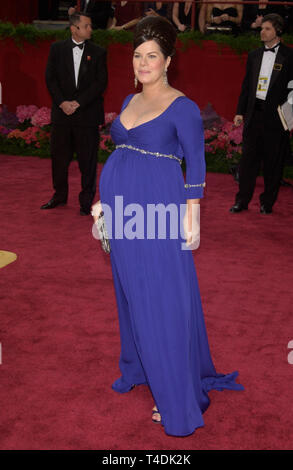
[77,45]
[272,49]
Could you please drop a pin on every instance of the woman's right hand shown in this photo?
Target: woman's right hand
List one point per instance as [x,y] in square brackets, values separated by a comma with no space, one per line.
[96,210]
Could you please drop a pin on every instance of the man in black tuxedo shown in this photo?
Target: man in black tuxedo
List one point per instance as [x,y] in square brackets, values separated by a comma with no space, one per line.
[76,78]
[100,12]
[265,86]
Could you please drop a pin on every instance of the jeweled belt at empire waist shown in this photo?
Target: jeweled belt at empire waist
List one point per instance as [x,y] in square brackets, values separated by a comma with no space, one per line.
[158,154]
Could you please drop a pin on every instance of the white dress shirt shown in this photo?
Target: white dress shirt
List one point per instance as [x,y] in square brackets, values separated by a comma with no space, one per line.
[266,69]
[77,55]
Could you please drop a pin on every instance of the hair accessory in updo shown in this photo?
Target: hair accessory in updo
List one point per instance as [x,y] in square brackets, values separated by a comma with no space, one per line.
[156,28]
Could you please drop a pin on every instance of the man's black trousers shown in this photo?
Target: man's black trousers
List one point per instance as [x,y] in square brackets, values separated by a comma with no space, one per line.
[65,140]
[266,147]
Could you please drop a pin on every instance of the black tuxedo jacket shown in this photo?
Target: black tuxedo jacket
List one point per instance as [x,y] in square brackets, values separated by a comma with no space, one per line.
[92,81]
[278,88]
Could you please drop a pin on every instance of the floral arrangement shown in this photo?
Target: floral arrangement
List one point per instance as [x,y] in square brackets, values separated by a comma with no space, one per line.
[25,113]
[22,33]
[224,140]
[27,132]
[106,143]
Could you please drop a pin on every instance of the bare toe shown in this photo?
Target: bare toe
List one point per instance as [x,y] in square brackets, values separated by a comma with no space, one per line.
[156,417]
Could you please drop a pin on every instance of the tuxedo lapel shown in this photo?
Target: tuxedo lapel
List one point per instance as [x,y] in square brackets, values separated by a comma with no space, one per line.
[256,69]
[68,58]
[84,63]
[277,67]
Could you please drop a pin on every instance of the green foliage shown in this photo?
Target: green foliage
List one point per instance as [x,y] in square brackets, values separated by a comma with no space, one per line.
[239,44]
[106,37]
[215,163]
[186,39]
[288,172]
[20,147]
[29,33]
[7,30]
[103,155]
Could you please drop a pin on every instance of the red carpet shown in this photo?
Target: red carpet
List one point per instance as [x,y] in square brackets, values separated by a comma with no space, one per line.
[59,330]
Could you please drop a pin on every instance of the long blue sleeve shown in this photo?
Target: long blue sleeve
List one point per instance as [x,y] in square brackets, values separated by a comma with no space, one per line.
[191,137]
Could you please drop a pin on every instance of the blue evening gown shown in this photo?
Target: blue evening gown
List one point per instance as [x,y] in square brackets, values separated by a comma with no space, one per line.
[163,336]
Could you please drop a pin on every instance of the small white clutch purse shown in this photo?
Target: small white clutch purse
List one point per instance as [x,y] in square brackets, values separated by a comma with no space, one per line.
[103,234]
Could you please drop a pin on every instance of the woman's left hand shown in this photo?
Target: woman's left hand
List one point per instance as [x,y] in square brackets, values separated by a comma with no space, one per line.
[191,225]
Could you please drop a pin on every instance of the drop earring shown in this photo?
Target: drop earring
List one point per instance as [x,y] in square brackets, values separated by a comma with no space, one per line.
[165,78]
[135,82]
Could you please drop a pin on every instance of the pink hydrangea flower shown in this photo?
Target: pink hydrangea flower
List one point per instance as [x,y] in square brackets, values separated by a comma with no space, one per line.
[222,137]
[109,117]
[208,133]
[25,112]
[103,141]
[236,135]
[227,126]
[226,137]
[42,117]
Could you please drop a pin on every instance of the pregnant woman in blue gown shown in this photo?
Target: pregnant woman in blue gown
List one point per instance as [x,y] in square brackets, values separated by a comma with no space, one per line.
[163,337]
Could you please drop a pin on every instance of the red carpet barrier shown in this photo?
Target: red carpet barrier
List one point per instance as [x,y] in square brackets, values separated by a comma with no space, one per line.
[205,74]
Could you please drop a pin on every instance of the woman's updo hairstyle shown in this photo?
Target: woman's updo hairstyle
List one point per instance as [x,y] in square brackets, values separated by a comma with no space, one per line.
[156,28]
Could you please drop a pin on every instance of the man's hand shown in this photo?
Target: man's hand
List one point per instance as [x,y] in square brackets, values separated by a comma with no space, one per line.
[75,104]
[69,107]
[238,120]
